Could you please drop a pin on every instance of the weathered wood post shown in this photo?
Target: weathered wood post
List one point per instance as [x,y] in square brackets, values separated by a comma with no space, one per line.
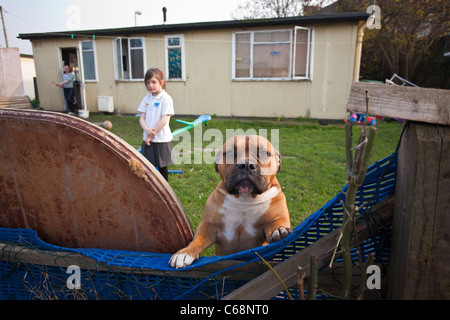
[357,166]
[420,255]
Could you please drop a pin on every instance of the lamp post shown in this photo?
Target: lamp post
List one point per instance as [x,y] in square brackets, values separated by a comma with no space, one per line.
[135,14]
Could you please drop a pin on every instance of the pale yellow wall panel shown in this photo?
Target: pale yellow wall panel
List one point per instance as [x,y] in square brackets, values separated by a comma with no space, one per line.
[333,67]
[208,72]
[47,71]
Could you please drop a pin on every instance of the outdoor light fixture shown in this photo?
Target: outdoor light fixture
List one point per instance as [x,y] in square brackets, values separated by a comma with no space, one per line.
[136,13]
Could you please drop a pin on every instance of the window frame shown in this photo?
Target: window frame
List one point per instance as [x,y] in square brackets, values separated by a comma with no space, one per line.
[309,56]
[117,64]
[183,61]
[292,55]
[94,50]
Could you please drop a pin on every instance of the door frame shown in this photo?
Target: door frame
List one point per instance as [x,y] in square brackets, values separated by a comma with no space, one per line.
[77,69]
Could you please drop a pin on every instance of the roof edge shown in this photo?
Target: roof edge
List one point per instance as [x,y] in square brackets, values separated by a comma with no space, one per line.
[318,18]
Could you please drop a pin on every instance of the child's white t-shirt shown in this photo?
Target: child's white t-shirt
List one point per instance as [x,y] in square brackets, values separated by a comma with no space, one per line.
[154,108]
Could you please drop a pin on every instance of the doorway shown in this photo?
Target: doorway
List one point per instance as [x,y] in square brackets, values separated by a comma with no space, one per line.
[69,56]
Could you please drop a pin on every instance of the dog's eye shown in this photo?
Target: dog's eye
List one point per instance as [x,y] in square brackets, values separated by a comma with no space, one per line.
[265,154]
[229,155]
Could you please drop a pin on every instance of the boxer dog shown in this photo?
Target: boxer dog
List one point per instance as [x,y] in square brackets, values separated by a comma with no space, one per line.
[247,209]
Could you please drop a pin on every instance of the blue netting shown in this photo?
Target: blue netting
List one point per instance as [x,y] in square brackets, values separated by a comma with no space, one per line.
[19,280]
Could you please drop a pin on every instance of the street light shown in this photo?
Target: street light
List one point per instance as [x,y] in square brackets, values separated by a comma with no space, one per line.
[136,13]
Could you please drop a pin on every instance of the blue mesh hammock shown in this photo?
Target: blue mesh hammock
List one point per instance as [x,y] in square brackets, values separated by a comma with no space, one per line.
[118,274]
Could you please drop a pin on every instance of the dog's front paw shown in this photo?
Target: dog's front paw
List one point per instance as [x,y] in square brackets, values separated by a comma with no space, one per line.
[181,260]
[279,234]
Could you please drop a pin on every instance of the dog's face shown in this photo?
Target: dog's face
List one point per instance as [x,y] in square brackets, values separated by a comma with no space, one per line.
[248,164]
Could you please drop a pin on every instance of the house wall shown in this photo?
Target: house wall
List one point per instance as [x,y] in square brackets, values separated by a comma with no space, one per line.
[11,82]
[333,71]
[46,59]
[28,73]
[208,87]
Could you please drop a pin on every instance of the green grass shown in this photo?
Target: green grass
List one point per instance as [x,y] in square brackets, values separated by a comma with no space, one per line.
[313,159]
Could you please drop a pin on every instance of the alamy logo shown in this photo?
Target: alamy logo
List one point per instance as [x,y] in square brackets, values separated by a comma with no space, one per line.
[74,18]
[74,281]
[188,144]
[374,21]
[374,279]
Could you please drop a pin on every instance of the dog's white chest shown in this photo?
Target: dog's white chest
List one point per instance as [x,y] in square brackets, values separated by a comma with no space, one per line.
[244,211]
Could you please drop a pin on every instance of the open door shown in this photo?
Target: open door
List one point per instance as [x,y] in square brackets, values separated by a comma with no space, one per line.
[70,56]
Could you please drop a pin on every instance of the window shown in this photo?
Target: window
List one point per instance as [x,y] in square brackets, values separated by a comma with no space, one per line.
[129,58]
[272,54]
[174,57]
[89,61]
[302,53]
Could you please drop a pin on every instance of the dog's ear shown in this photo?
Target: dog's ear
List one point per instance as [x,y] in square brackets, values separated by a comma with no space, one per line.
[278,157]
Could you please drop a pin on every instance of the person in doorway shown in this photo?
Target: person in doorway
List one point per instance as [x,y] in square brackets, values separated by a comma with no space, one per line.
[67,85]
[156,109]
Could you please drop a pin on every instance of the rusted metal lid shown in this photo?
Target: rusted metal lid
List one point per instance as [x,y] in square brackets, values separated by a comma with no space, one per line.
[80,186]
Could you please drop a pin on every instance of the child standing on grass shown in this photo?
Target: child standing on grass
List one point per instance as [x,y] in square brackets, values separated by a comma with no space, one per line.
[156,109]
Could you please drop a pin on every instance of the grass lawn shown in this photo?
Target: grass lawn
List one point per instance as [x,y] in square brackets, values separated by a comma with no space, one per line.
[313,159]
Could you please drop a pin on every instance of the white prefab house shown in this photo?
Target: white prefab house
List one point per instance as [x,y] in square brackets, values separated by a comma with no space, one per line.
[285,67]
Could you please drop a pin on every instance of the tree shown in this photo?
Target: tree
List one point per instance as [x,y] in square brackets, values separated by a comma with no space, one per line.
[259,9]
[409,28]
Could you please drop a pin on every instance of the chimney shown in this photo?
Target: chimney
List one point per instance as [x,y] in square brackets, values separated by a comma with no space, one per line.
[164,9]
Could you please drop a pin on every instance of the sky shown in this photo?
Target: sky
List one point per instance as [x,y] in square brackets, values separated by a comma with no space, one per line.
[32,16]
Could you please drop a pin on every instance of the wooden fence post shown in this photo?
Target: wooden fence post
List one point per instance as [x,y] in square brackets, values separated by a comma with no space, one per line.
[420,258]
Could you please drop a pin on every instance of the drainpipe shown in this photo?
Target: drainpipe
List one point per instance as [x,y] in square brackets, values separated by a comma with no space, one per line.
[359,40]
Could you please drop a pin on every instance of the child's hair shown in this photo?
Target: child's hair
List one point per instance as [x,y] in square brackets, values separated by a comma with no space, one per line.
[157,73]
